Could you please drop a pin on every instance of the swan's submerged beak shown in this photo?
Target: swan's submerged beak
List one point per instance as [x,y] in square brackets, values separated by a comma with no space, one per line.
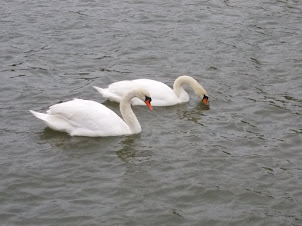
[148,102]
[205,100]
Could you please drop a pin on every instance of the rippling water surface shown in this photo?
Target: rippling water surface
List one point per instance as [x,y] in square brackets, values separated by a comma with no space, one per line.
[237,163]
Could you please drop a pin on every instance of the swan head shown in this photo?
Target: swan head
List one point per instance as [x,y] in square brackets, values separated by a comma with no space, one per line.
[202,93]
[145,96]
[205,100]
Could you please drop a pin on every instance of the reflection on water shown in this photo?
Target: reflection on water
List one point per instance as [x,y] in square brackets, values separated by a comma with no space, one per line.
[194,113]
[128,148]
[48,134]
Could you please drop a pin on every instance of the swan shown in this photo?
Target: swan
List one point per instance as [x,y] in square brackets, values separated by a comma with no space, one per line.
[89,118]
[162,95]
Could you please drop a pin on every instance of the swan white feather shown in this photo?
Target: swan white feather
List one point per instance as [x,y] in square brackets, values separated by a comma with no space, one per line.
[162,95]
[88,118]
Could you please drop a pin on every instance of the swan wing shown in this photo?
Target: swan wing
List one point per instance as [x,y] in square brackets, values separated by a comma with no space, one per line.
[161,94]
[86,118]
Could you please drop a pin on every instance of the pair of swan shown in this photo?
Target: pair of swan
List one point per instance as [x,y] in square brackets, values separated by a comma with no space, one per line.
[88,118]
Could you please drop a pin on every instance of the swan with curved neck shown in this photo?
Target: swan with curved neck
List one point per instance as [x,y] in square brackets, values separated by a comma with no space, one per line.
[162,95]
[127,112]
[89,118]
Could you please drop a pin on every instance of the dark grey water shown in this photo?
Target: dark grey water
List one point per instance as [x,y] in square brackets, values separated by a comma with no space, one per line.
[238,163]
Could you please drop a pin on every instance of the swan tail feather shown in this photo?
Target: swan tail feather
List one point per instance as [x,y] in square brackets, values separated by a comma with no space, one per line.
[108,95]
[54,122]
[39,115]
[100,90]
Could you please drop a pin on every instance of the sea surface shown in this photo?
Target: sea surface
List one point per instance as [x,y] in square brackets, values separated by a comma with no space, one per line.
[238,162]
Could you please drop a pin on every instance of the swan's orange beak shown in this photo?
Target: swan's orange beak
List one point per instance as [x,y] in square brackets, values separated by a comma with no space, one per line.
[148,103]
[205,100]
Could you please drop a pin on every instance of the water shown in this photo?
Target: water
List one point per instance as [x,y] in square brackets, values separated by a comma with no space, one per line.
[238,163]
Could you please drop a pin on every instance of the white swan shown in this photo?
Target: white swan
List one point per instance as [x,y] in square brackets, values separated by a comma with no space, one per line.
[162,95]
[88,118]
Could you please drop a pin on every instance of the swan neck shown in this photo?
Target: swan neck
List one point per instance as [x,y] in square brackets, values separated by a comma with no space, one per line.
[128,114]
[182,80]
[178,84]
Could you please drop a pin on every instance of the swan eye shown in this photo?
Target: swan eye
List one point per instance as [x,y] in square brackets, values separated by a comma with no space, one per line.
[205,100]
[148,102]
[148,99]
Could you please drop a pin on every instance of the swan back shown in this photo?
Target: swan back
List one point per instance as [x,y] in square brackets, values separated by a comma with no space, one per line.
[85,118]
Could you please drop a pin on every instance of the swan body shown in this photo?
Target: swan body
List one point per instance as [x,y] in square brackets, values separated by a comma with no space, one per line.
[88,118]
[162,95]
